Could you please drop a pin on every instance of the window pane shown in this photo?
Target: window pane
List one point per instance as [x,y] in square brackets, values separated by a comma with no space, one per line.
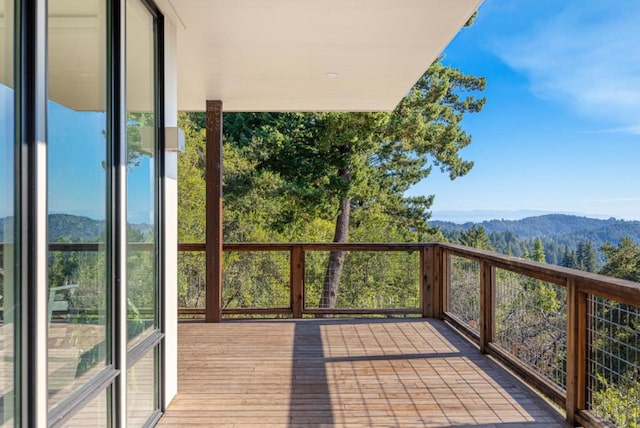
[77,195]
[141,390]
[7,301]
[93,414]
[141,191]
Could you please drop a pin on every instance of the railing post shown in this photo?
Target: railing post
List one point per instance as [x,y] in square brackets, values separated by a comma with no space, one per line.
[213,250]
[431,281]
[296,280]
[487,304]
[576,350]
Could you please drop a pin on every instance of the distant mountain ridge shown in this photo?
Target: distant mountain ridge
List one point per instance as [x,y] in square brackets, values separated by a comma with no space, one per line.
[478,216]
[556,231]
[67,227]
[547,225]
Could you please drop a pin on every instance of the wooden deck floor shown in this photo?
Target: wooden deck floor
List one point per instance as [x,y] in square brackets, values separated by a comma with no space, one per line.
[375,372]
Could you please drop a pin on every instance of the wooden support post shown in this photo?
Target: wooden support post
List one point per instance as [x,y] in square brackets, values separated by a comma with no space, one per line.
[431,282]
[487,304]
[576,351]
[213,247]
[297,281]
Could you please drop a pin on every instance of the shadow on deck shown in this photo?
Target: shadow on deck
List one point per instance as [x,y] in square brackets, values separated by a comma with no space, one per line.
[364,372]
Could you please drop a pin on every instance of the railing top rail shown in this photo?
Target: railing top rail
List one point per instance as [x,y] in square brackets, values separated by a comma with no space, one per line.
[608,287]
[310,246]
[256,246]
[592,283]
[619,289]
[88,246]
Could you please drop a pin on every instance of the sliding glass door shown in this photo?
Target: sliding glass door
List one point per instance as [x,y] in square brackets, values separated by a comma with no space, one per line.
[81,165]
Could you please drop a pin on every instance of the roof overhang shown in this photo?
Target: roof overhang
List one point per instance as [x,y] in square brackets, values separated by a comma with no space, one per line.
[309,55]
[261,55]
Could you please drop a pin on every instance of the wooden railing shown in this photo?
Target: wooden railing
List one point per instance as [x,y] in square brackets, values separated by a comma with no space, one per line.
[593,307]
[549,324]
[573,335]
[299,275]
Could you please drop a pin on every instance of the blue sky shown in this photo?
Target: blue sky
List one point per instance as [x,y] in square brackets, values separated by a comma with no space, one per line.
[560,131]
[77,178]
[561,128]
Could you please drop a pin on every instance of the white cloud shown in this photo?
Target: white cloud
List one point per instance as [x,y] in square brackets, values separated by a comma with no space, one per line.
[587,56]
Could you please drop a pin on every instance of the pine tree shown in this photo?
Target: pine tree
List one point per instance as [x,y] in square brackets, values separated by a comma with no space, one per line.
[476,237]
[622,261]
[569,258]
[538,251]
[586,256]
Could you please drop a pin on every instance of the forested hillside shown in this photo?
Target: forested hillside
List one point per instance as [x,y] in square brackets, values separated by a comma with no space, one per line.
[550,225]
[557,232]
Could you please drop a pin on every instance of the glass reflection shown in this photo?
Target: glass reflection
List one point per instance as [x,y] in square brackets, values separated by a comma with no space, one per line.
[141,390]
[141,190]
[77,196]
[7,301]
[93,414]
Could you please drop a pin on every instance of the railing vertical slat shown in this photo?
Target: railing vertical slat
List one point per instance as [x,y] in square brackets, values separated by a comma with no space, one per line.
[487,304]
[576,350]
[297,280]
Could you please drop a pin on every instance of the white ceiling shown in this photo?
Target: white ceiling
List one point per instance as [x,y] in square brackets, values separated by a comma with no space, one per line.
[77,54]
[277,55]
[257,55]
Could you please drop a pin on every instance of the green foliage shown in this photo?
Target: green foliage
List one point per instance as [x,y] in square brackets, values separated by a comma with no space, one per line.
[313,161]
[538,251]
[569,241]
[464,296]
[191,182]
[71,228]
[530,322]
[138,144]
[617,396]
[255,280]
[586,258]
[622,261]
[305,176]
[569,258]
[557,226]
[476,237]
[618,402]
[369,279]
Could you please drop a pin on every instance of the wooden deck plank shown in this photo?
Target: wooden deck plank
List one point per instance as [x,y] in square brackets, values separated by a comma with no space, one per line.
[373,372]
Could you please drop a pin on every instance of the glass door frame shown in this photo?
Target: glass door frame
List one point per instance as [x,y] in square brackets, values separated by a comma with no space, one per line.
[155,341]
[31,243]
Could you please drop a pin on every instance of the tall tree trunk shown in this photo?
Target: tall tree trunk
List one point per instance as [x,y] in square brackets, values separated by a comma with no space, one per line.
[336,258]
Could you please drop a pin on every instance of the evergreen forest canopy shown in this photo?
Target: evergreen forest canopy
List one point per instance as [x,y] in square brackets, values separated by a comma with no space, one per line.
[568,240]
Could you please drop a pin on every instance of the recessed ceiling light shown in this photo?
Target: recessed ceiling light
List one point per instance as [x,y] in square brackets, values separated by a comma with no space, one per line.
[331,75]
